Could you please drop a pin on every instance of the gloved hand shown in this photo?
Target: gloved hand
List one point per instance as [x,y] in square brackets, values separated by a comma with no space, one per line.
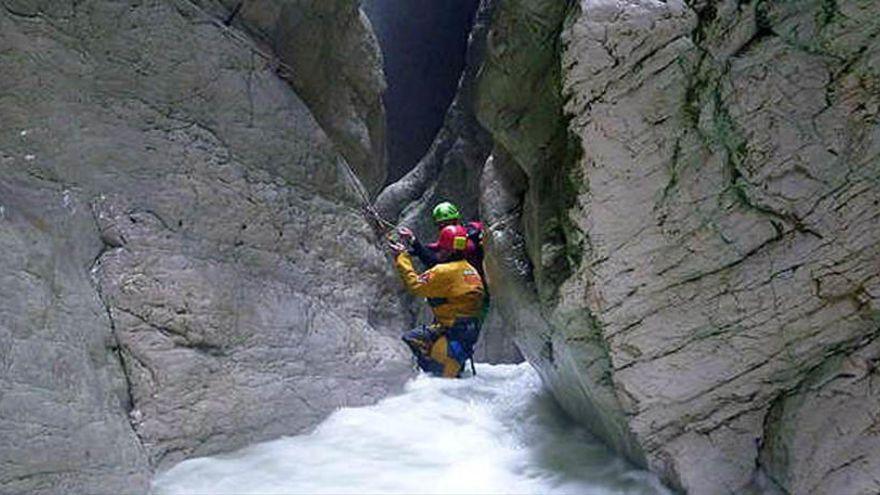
[475,231]
[406,235]
[396,247]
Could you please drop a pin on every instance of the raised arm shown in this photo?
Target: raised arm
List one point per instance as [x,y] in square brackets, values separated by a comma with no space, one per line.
[431,283]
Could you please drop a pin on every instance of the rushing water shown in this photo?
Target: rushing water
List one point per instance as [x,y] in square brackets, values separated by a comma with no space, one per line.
[498,432]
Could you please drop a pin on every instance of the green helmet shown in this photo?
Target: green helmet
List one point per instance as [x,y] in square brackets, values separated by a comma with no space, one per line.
[445,211]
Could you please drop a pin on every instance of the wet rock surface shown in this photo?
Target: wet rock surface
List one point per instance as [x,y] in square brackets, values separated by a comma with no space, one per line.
[682,204]
[718,256]
[187,268]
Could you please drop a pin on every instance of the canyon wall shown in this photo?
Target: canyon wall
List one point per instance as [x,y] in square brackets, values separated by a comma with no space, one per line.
[187,268]
[683,201]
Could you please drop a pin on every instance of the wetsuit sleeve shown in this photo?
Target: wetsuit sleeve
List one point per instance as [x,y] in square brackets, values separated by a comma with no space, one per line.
[432,283]
[427,256]
[474,253]
[475,232]
[479,254]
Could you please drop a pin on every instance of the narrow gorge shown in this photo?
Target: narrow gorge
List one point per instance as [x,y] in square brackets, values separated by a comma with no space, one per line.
[681,203]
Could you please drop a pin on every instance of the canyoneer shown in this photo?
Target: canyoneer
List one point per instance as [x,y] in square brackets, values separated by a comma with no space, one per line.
[444,215]
[454,290]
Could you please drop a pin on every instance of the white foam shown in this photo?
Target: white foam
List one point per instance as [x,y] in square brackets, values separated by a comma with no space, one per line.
[496,433]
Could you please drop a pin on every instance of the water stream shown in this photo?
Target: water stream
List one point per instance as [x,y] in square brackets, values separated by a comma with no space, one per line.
[499,432]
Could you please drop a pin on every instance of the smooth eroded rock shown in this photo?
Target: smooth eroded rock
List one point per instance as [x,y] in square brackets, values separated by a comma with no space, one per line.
[188,266]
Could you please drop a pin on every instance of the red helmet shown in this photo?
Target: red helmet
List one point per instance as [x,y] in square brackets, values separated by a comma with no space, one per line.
[453,238]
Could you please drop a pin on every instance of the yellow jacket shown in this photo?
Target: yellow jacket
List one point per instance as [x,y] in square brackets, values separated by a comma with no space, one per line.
[454,289]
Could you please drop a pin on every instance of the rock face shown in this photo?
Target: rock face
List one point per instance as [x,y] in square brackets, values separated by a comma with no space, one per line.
[694,265]
[186,268]
[451,171]
[63,396]
[329,54]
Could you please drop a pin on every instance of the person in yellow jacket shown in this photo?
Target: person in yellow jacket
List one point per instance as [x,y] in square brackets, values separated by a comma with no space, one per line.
[454,290]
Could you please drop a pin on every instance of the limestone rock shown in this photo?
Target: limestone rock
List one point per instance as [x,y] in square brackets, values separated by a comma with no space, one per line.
[823,437]
[63,395]
[187,269]
[330,55]
[718,234]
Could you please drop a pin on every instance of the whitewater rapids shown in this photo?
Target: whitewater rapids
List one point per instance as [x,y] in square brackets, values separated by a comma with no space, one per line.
[498,432]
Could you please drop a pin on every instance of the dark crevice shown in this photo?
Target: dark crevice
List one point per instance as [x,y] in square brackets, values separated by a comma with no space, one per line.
[740,188]
[180,339]
[705,16]
[128,401]
[828,11]
[424,44]
[775,407]
[772,416]
[117,351]
[763,31]
[459,150]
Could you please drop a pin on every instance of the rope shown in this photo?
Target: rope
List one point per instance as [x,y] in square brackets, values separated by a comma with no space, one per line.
[381,225]
[229,19]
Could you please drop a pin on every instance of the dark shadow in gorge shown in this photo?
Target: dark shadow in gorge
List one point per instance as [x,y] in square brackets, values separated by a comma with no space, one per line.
[424,44]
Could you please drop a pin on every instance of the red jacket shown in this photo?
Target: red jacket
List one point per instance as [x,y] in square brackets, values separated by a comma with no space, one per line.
[473,253]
